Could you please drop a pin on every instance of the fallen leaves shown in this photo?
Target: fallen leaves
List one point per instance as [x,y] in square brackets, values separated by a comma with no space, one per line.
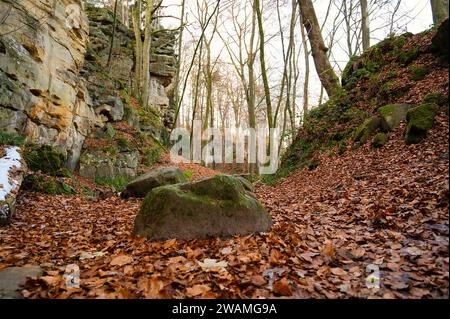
[121,260]
[197,290]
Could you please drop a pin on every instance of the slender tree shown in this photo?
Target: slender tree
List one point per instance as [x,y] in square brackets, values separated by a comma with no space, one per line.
[365,25]
[146,54]
[327,76]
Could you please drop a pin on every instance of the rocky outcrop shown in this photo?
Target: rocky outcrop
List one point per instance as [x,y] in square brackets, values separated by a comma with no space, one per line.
[142,185]
[55,88]
[12,170]
[98,165]
[216,206]
[42,50]
[104,82]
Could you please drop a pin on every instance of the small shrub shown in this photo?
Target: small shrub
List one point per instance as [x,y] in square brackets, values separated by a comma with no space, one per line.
[117,182]
[151,156]
[188,174]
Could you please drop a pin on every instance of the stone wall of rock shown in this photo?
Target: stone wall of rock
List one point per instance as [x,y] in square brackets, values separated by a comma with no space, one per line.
[42,96]
[120,73]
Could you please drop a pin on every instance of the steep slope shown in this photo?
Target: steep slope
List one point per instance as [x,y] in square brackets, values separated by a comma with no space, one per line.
[403,71]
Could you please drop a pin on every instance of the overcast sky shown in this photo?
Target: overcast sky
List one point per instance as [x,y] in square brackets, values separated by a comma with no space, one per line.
[413,16]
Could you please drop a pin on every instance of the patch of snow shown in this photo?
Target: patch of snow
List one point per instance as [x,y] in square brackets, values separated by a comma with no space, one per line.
[7,163]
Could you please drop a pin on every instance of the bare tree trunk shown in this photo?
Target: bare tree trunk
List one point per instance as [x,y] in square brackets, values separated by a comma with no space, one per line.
[146,54]
[180,47]
[108,64]
[327,76]
[137,48]
[257,8]
[306,83]
[365,25]
[439,8]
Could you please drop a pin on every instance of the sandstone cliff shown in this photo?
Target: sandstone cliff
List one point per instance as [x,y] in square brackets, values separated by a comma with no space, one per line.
[54,87]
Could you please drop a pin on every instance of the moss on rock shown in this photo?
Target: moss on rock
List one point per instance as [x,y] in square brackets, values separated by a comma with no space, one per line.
[46,159]
[392,115]
[216,206]
[379,140]
[365,130]
[420,119]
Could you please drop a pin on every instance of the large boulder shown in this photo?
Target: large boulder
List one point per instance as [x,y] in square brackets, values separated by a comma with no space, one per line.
[12,278]
[392,115]
[216,206]
[420,119]
[12,170]
[142,185]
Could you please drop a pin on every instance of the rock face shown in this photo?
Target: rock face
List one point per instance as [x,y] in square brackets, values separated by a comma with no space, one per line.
[217,206]
[163,64]
[12,170]
[95,165]
[54,87]
[392,115]
[141,186]
[41,93]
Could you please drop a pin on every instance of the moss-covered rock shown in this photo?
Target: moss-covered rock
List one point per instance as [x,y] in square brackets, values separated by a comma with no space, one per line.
[365,130]
[46,184]
[420,119]
[379,140]
[216,206]
[46,159]
[436,98]
[142,185]
[392,115]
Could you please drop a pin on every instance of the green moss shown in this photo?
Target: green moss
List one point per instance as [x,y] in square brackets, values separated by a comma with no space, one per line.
[406,57]
[418,72]
[151,156]
[366,129]
[188,174]
[11,139]
[117,182]
[392,115]
[379,140]
[46,159]
[420,119]
[436,98]
[46,184]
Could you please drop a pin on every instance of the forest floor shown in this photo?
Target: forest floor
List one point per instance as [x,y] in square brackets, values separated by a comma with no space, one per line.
[366,207]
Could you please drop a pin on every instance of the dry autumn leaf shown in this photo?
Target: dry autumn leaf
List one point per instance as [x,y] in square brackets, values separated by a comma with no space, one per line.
[121,260]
